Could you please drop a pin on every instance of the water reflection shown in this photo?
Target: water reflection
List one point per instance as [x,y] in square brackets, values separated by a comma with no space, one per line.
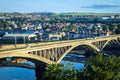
[15,71]
[77,60]
[77,65]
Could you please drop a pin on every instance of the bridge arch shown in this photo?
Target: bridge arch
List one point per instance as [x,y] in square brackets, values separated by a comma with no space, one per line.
[31,57]
[112,42]
[67,52]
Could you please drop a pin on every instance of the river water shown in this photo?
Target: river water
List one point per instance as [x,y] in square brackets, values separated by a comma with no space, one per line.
[14,73]
[18,73]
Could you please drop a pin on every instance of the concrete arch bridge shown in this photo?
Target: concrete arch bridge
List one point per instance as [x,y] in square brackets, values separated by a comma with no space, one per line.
[55,51]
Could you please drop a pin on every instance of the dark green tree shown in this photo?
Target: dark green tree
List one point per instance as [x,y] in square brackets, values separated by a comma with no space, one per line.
[47,27]
[101,68]
[105,27]
[19,24]
[117,30]
[59,72]
[12,26]
[4,24]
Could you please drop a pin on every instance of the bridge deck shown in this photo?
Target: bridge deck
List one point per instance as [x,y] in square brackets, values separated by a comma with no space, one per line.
[24,51]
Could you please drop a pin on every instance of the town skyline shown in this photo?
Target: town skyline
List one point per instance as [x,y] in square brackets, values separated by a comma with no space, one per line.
[60,6]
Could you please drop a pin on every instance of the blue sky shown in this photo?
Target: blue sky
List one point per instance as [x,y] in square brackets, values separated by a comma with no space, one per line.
[58,6]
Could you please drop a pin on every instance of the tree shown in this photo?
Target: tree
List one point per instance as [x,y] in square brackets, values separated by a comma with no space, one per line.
[73,27]
[105,28]
[19,24]
[5,24]
[1,25]
[59,72]
[101,68]
[53,72]
[47,27]
[12,26]
[117,30]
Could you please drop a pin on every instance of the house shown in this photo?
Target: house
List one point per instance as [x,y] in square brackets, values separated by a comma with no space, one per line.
[56,36]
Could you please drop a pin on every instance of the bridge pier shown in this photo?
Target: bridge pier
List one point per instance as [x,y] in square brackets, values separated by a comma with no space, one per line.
[39,70]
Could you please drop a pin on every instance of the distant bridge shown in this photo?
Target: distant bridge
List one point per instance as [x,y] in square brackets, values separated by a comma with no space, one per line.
[54,52]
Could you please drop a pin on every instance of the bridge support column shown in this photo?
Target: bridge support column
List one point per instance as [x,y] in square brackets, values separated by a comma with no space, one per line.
[55,50]
[39,70]
[53,54]
[34,52]
[38,53]
[58,52]
[47,54]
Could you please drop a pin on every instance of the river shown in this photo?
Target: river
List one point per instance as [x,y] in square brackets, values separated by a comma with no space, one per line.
[19,73]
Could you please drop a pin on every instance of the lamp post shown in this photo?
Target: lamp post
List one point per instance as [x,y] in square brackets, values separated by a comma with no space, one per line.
[15,41]
[41,36]
[61,37]
[68,35]
[89,33]
[24,39]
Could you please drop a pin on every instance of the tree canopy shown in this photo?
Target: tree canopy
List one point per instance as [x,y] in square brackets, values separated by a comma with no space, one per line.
[59,72]
[101,68]
[97,68]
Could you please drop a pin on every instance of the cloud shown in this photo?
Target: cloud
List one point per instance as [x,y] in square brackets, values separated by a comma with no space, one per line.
[101,6]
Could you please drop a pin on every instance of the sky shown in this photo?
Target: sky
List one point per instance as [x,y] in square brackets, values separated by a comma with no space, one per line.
[60,6]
